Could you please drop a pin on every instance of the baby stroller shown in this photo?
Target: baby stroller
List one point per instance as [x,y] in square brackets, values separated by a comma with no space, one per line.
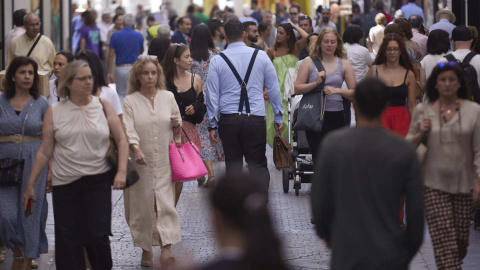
[302,170]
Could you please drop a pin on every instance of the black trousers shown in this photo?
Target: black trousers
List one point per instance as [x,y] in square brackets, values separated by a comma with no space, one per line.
[83,215]
[245,136]
[331,121]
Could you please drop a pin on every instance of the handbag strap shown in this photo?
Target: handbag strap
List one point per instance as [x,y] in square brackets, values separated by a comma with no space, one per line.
[34,44]
[23,129]
[186,135]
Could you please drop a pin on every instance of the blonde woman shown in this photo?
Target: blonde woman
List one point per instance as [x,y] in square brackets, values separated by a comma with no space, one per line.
[330,51]
[76,133]
[152,119]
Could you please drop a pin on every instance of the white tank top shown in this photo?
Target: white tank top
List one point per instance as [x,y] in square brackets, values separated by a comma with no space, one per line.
[81,141]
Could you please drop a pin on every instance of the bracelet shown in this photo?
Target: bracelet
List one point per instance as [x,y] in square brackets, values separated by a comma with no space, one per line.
[175,127]
[317,82]
[134,146]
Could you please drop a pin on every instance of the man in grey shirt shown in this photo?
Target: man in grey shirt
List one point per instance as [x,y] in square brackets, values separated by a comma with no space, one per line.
[360,176]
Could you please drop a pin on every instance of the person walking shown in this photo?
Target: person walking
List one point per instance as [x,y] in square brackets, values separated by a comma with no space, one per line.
[19,26]
[90,33]
[125,46]
[22,111]
[181,35]
[449,126]
[59,63]
[438,44]
[243,226]
[240,118]
[100,86]
[284,55]
[330,51]
[410,9]
[152,120]
[347,189]
[202,51]
[187,89]
[44,51]
[76,134]
[377,32]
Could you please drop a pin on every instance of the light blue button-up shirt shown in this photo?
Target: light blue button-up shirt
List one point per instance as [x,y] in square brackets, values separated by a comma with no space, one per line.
[412,9]
[445,25]
[223,89]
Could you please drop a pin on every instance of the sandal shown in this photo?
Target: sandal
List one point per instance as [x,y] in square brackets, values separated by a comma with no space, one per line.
[201,181]
[3,253]
[210,182]
[147,259]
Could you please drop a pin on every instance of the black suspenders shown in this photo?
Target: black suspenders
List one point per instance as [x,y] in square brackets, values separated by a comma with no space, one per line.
[243,83]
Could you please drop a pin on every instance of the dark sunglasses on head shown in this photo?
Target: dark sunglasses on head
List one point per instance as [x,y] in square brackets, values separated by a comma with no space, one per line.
[325,7]
[303,17]
[176,48]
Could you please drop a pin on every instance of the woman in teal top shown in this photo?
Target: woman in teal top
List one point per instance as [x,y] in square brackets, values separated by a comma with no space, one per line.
[284,55]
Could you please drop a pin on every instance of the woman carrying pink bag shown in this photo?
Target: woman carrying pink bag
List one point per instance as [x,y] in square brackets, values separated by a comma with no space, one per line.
[152,120]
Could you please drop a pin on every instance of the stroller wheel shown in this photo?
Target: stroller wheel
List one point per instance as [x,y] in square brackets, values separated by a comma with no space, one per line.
[286,180]
[297,189]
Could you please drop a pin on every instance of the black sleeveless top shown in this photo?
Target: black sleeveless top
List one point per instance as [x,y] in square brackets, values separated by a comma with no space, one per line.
[399,94]
[184,99]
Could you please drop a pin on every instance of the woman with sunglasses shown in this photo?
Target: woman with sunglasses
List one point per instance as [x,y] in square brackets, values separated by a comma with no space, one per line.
[449,126]
[284,55]
[59,62]
[187,89]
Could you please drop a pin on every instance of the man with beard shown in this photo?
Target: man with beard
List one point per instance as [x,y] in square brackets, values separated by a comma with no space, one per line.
[324,21]
[305,23]
[218,33]
[252,34]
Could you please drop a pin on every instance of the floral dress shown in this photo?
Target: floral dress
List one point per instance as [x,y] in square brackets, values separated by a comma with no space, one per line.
[209,151]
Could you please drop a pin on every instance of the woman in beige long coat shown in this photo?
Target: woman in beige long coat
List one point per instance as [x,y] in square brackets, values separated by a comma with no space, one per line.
[152,119]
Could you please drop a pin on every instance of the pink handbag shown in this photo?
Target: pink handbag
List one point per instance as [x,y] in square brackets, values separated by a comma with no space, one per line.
[187,164]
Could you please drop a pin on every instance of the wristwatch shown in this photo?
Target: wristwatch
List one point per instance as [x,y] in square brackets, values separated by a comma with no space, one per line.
[210,128]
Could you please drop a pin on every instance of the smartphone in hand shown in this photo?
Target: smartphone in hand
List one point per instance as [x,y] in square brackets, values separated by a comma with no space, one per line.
[28,212]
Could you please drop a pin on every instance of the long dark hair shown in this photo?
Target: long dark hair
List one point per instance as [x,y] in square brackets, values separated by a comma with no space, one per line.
[200,43]
[243,202]
[432,91]
[291,38]
[404,60]
[96,67]
[9,83]
[168,65]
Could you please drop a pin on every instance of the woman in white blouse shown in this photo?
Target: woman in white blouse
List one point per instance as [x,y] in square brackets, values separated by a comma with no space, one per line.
[62,58]
[360,57]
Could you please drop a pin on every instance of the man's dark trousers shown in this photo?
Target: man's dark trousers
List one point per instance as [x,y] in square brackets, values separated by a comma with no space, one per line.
[244,135]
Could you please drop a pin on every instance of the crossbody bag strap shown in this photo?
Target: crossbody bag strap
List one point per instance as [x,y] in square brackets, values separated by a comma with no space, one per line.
[34,44]
[23,129]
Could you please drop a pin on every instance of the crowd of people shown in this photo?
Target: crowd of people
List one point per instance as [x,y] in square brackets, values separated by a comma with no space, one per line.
[223,84]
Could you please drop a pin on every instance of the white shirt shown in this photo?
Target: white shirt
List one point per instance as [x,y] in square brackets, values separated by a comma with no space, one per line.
[475,62]
[53,97]
[15,32]
[360,58]
[429,62]
[320,27]
[112,96]
[104,28]
[376,36]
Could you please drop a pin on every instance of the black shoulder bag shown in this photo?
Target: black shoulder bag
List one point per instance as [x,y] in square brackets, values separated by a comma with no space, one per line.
[312,106]
[11,169]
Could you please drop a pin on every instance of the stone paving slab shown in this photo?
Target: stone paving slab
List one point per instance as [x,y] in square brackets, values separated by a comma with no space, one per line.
[302,249]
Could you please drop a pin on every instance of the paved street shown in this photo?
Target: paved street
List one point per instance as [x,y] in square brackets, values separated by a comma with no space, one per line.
[302,248]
